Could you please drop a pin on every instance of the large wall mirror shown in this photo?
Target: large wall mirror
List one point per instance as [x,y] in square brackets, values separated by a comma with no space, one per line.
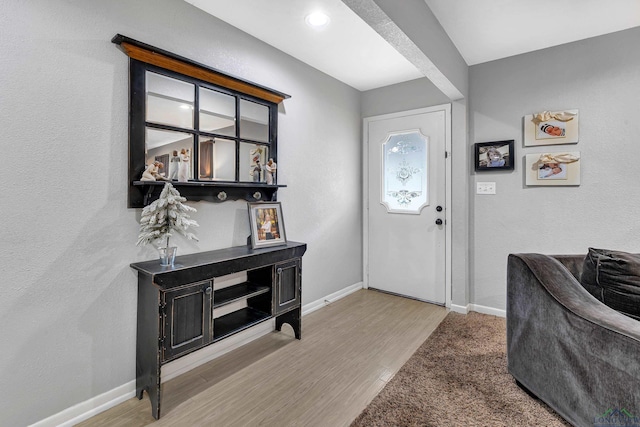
[192,129]
[199,127]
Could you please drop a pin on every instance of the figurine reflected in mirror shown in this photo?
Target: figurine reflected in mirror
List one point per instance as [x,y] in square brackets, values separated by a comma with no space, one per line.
[174,165]
[256,170]
[151,172]
[270,168]
[183,168]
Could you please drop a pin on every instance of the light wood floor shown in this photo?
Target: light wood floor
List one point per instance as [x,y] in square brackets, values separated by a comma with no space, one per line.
[348,352]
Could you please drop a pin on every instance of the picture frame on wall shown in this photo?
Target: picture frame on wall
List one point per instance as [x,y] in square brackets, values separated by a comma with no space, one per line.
[553,169]
[267,224]
[492,156]
[551,128]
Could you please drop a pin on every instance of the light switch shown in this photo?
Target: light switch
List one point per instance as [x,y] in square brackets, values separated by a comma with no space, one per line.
[485,188]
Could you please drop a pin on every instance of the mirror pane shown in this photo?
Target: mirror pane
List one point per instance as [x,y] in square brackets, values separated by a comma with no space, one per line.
[252,161]
[217,159]
[169,101]
[254,121]
[173,150]
[217,112]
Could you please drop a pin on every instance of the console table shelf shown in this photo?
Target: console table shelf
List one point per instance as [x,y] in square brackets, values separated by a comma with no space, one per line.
[179,307]
[235,293]
[237,321]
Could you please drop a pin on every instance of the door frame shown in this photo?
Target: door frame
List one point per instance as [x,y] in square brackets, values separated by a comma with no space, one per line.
[365,190]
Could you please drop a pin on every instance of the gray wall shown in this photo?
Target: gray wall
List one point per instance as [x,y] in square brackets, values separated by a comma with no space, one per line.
[460,209]
[601,78]
[68,296]
[405,96]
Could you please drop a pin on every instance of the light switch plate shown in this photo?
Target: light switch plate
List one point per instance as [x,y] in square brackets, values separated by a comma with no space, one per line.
[485,188]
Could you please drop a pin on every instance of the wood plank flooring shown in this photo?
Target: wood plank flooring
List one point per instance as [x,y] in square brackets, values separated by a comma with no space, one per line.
[348,352]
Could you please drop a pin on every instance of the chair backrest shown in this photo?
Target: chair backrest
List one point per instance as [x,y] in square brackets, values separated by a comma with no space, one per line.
[573,263]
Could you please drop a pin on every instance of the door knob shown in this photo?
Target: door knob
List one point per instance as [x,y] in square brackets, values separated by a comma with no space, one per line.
[439,208]
[438,221]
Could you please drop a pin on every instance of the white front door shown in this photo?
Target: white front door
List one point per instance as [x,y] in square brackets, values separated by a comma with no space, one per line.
[405,203]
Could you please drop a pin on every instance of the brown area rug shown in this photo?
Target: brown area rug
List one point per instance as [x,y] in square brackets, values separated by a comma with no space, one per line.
[458,377]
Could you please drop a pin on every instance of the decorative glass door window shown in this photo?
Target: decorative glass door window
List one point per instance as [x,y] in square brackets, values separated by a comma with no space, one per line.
[405,172]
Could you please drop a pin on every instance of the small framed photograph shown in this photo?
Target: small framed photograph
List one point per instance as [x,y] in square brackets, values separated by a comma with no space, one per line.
[553,169]
[491,156]
[267,224]
[551,128]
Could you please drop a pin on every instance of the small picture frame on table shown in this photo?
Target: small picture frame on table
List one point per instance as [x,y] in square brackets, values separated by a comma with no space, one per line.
[267,224]
[492,156]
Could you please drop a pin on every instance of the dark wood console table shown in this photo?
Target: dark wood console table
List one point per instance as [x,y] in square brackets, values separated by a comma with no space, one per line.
[177,305]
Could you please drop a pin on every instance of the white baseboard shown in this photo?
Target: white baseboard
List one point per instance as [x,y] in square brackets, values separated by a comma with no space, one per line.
[488,310]
[317,304]
[462,309]
[87,409]
[465,309]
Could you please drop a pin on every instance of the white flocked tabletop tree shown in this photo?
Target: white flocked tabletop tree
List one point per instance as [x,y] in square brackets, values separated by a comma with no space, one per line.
[164,216]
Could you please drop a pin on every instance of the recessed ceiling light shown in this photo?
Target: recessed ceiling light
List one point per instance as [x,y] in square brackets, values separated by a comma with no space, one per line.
[317,19]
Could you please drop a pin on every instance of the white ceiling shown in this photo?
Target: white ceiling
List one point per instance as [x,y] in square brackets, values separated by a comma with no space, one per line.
[485,30]
[347,49]
[482,30]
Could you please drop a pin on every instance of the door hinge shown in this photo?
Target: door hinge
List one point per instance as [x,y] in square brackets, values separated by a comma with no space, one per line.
[446,154]
[162,308]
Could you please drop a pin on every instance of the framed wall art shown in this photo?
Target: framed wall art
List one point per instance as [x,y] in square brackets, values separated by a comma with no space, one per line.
[551,128]
[491,156]
[553,169]
[267,224]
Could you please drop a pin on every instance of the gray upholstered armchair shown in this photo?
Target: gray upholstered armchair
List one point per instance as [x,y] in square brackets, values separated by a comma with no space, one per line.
[570,350]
